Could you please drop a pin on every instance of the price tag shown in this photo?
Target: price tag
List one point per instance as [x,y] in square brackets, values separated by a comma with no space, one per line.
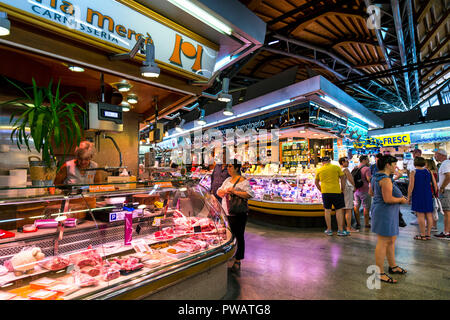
[140,246]
[157,221]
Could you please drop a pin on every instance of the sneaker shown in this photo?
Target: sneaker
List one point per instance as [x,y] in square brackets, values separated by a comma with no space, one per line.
[434,229]
[443,236]
[358,226]
[343,233]
[328,232]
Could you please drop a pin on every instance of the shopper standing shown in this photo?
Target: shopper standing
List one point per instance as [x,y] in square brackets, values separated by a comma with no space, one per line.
[348,193]
[444,191]
[327,182]
[234,192]
[218,176]
[373,167]
[386,201]
[431,165]
[421,197]
[361,176]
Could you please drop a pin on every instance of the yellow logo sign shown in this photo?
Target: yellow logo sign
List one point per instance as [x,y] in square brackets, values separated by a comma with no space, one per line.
[396,140]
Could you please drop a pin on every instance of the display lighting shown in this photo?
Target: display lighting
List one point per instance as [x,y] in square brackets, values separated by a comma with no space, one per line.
[179,127]
[123,87]
[224,96]
[150,69]
[346,109]
[132,99]
[5,24]
[201,121]
[228,110]
[125,106]
[202,15]
[76,68]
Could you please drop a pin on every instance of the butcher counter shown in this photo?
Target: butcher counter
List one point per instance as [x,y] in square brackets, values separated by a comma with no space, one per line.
[163,241]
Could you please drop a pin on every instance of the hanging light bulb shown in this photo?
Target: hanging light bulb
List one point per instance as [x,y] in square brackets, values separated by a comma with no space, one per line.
[125,106]
[76,68]
[179,127]
[132,99]
[201,121]
[123,86]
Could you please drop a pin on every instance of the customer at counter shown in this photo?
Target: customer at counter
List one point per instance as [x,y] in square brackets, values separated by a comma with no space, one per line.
[74,171]
[218,176]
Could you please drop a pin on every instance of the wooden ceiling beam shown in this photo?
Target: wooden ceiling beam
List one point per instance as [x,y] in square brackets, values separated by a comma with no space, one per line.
[432,32]
[292,12]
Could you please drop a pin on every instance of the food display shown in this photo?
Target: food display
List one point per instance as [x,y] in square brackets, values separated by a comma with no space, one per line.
[298,188]
[93,256]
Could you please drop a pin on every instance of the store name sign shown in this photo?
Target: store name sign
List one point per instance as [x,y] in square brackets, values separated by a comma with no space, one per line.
[118,24]
[395,140]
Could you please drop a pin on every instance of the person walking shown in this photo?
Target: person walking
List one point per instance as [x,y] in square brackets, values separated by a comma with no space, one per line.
[234,192]
[431,165]
[348,193]
[420,196]
[361,176]
[386,201]
[444,191]
[327,182]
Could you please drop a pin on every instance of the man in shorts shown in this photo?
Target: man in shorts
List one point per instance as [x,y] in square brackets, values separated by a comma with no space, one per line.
[327,181]
[444,191]
[362,196]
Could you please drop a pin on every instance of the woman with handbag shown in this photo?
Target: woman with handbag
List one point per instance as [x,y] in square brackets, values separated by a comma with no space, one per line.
[234,192]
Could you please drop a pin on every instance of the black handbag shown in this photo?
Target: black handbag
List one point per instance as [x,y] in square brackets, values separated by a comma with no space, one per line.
[237,206]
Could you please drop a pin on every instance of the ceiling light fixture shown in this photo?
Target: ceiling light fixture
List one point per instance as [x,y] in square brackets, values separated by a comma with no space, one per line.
[201,121]
[150,69]
[132,99]
[76,69]
[125,106]
[179,127]
[123,86]
[5,24]
[202,15]
[228,110]
[224,96]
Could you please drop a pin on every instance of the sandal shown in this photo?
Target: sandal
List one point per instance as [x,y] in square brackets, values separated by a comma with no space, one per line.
[420,237]
[389,279]
[391,270]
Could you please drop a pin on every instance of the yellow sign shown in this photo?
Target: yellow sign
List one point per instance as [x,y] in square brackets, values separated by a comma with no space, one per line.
[395,140]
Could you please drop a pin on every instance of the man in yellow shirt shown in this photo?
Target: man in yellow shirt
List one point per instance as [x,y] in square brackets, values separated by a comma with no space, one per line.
[327,181]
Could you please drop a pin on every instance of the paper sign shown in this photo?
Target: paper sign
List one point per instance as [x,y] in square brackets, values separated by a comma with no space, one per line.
[157,222]
[101,188]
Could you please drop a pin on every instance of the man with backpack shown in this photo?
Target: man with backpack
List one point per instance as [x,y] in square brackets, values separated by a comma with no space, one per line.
[361,176]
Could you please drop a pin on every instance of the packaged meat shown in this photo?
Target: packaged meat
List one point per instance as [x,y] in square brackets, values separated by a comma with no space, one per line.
[3,270]
[55,263]
[128,265]
[62,288]
[85,280]
[25,260]
[45,223]
[92,271]
[7,295]
[43,283]
[151,263]
[89,257]
[109,274]
[43,295]
[29,228]
[175,253]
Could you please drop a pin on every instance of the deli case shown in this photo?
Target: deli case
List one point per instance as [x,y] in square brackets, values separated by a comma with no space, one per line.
[158,240]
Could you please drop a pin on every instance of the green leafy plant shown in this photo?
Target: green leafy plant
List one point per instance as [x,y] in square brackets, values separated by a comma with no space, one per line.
[48,117]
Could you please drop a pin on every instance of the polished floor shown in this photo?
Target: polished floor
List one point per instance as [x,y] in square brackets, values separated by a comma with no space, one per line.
[292,263]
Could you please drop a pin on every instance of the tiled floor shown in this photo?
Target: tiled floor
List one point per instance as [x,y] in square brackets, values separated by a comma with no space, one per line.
[293,263]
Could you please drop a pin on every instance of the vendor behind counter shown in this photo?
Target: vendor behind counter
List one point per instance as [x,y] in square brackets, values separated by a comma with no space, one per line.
[74,171]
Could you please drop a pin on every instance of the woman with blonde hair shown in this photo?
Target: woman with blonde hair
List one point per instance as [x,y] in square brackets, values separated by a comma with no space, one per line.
[74,171]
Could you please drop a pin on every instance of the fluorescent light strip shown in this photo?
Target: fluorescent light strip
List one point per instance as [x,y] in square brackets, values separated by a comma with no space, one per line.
[202,15]
[222,62]
[346,109]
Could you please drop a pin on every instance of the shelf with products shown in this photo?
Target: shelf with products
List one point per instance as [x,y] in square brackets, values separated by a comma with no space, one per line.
[109,246]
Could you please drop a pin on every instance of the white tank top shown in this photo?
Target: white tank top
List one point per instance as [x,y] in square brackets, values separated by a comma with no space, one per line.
[74,175]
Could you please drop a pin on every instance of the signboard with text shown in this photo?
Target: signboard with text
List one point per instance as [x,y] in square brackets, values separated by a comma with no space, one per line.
[119,24]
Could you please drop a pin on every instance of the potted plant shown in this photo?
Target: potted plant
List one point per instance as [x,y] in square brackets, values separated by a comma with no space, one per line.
[50,120]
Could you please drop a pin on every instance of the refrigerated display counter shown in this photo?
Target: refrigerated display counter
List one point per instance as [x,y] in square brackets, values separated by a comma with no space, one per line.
[167,240]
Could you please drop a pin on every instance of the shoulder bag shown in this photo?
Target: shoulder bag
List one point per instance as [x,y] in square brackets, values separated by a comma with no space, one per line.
[237,206]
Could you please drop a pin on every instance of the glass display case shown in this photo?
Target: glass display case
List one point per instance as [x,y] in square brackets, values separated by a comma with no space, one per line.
[108,241]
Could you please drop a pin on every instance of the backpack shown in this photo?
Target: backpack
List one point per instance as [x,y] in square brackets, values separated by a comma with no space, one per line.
[357,177]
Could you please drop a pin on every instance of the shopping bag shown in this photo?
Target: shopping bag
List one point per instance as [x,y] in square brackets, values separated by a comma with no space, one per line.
[437,209]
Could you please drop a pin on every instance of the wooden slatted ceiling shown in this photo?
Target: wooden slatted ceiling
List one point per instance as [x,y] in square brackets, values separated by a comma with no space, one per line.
[433,26]
[335,24]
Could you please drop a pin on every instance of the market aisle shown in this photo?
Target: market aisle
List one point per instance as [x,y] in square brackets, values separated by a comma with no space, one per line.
[288,263]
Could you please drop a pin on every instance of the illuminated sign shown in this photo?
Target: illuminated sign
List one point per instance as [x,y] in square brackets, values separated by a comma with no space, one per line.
[395,140]
[119,24]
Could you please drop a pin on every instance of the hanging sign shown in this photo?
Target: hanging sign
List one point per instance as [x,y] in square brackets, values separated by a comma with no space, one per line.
[119,24]
[395,140]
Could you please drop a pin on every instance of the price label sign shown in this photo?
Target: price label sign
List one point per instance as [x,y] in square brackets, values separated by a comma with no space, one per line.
[157,222]
[197,229]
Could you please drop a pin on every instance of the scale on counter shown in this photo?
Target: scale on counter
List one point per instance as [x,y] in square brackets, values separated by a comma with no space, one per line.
[104,117]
